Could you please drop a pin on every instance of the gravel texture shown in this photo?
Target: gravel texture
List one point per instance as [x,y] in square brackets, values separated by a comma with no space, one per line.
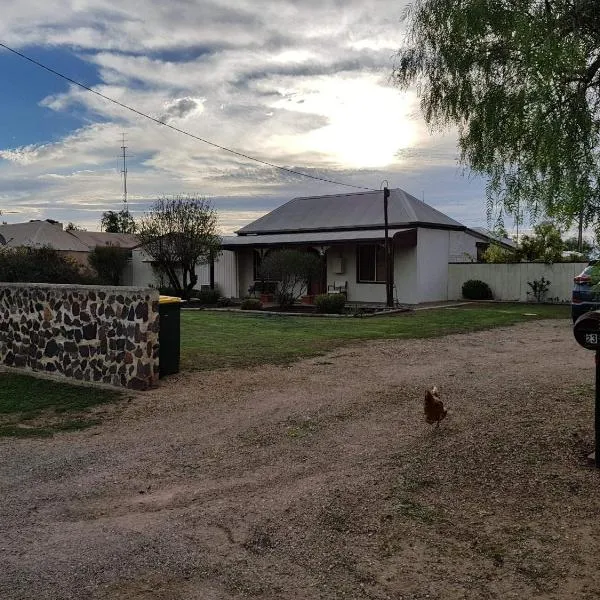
[322,480]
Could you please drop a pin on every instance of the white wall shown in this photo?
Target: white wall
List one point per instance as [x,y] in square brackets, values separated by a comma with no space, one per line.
[406,275]
[357,292]
[139,272]
[463,247]
[432,264]
[509,281]
[225,274]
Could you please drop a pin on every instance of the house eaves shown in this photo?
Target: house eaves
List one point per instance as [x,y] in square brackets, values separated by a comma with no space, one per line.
[315,238]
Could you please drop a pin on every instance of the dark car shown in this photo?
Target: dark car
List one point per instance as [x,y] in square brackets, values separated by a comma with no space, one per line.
[586,291]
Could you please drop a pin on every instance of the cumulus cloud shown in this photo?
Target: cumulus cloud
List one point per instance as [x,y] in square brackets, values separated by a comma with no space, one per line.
[303,85]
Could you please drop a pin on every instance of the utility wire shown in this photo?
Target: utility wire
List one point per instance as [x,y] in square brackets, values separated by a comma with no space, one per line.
[159,122]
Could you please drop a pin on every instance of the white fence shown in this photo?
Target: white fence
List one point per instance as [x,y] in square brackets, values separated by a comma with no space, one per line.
[509,281]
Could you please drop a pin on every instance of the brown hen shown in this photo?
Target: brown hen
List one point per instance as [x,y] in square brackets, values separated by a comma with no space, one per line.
[434,407]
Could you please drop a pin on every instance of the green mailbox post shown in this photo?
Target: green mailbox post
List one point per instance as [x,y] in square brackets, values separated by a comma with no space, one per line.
[169,338]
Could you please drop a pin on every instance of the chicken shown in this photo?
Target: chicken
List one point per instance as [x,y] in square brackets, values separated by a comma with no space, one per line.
[434,407]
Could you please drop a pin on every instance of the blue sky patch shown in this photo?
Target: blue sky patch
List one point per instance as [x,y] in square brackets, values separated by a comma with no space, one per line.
[26,85]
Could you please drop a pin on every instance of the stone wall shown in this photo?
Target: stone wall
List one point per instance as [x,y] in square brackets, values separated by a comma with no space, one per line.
[88,333]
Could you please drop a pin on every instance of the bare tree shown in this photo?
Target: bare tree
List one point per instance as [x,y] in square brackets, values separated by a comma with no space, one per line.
[180,233]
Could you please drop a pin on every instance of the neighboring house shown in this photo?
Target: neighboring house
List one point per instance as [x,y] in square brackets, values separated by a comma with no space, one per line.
[37,234]
[347,231]
[486,238]
[74,244]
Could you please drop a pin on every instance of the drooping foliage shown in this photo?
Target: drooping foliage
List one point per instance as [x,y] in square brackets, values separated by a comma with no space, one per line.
[520,80]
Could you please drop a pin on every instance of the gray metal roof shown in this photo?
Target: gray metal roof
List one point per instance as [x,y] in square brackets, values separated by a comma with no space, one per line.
[36,234]
[102,238]
[507,242]
[314,237]
[349,211]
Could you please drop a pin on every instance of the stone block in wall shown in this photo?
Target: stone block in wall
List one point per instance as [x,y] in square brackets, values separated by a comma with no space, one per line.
[87,333]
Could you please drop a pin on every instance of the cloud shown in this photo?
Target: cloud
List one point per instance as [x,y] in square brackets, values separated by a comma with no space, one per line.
[302,85]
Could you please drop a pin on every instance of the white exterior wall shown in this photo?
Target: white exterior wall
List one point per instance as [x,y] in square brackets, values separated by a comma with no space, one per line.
[509,281]
[406,276]
[225,274]
[463,247]
[357,292]
[433,247]
[139,272]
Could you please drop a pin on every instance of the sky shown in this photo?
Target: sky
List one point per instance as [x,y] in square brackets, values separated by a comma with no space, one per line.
[301,84]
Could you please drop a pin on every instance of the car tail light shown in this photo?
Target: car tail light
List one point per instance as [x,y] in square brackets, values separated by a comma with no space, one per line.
[576,298]
[582,279]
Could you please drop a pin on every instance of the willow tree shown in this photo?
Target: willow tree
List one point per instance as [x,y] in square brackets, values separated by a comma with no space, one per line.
[520,80]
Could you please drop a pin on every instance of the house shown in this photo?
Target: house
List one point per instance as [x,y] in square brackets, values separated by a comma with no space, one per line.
[347,231]
[74,244]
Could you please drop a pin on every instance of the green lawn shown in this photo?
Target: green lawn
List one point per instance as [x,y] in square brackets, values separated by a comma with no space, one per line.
[223,339]
[38,407]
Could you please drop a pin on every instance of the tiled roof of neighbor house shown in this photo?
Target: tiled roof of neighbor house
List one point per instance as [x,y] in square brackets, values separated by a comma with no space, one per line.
[101,238]
[349,211]
[36,234]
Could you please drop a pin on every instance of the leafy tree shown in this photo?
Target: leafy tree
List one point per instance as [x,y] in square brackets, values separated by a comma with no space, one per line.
[496,254]
[180,233]
[572,245]
[520,79]
[544,245]
[293,269]
[73,227]
[109,262]
[118,222]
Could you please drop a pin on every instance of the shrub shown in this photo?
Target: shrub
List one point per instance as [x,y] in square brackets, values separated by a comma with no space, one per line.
[109,262]
[330,303]
[293,270]
[41,265]
[475,289]
[223,302]
[251,304]
[539,288]
[207,296]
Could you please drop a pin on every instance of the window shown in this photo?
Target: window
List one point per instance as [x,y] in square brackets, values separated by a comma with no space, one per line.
[371,263]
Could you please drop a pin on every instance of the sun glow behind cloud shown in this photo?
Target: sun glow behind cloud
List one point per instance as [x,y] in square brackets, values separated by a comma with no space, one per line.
[367,123]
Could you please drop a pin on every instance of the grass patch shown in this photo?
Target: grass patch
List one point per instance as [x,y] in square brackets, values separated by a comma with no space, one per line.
[32,407]
[211,340]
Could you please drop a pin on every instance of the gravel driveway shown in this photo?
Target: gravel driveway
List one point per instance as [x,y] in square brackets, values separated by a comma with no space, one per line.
[322,480]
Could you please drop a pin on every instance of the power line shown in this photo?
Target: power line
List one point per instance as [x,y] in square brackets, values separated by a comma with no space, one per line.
[159,122]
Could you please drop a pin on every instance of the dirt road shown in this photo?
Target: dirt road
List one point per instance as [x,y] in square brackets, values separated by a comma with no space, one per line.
[322,480]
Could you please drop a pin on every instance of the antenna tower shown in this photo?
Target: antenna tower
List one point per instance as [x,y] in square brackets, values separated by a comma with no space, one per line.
[124,172]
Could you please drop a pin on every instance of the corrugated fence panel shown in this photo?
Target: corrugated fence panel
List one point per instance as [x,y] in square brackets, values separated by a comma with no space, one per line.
[510,281]
[225,274]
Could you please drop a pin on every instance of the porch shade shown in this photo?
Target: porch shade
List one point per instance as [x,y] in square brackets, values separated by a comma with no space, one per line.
[319,238]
